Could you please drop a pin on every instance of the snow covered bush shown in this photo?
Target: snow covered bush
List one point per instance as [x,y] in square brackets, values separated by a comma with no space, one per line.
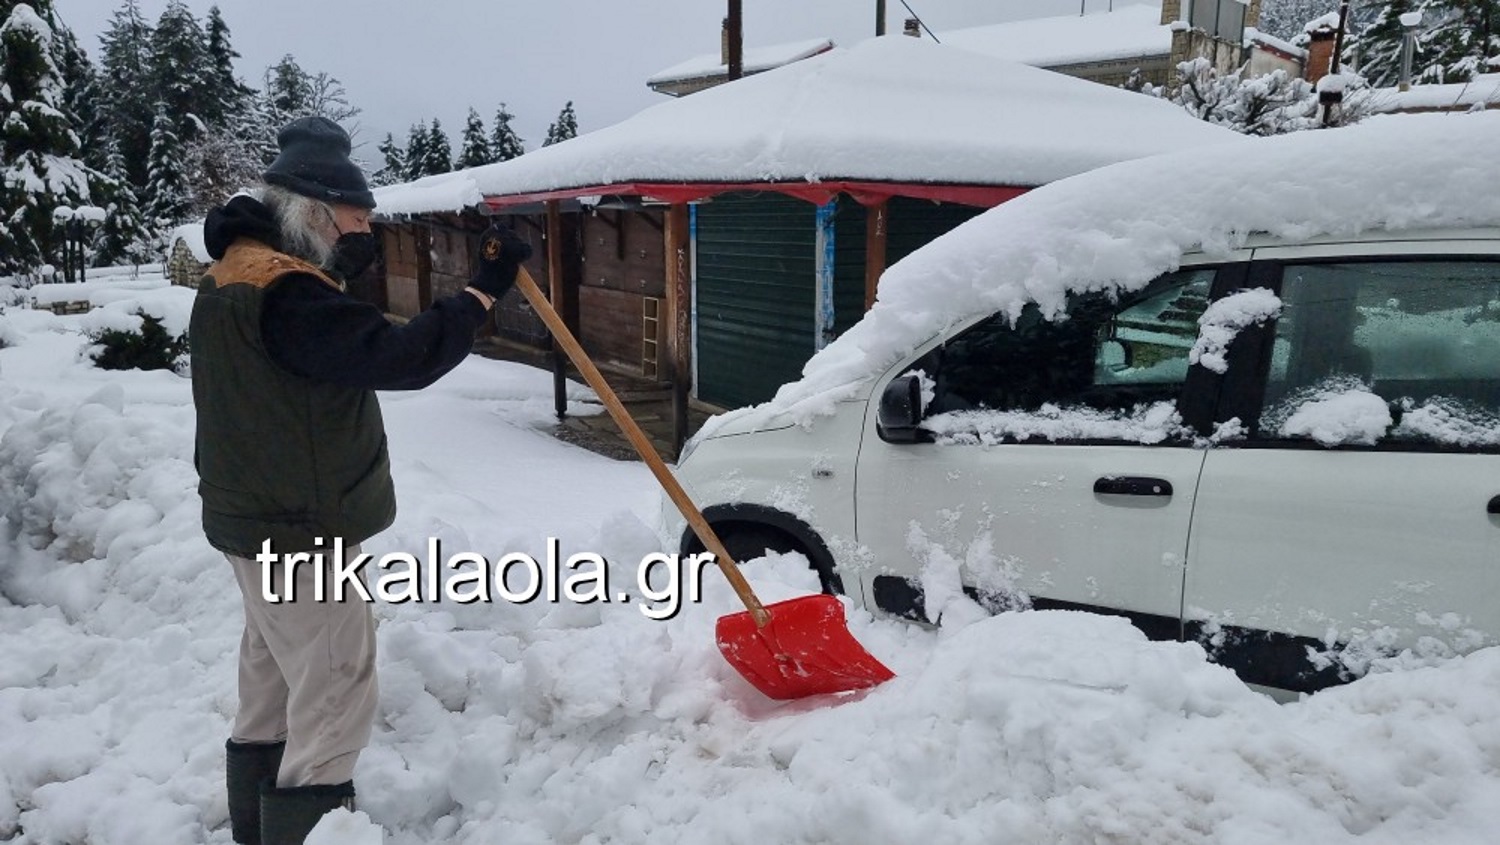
[1272,104]
[148,346]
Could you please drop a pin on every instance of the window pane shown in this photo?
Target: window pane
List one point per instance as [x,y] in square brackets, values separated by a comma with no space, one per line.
[1422,336]
[1106,356]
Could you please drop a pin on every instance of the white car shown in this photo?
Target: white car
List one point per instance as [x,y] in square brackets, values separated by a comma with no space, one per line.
[1286,448]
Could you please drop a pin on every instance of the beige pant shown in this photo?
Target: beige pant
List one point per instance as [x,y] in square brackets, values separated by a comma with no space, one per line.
[307,673]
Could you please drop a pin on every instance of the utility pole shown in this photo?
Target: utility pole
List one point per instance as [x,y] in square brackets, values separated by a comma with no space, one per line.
[736,25]
[879,18]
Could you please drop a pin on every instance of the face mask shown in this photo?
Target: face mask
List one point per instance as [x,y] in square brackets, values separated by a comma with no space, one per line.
[352,253]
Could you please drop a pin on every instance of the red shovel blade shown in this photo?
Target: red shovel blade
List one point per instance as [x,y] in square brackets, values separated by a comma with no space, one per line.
[806,649]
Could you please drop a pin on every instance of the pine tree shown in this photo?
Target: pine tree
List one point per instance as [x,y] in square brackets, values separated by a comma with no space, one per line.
[476,147]
[122,237]
[125,48]
[40,169]
[228,96]
[1379,44]
[394,168]
[505,144]
[288,90]
[416,152]
[439,153]
[167,199]
[81,97]
[1457,39]
[1462,40]
[181,76]
[564,128]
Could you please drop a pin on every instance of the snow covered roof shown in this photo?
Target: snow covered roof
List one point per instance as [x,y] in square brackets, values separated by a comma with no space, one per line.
[1125,33]
[892,110]
[754,60]
[1254,36]
[1482,90]
[1119,227]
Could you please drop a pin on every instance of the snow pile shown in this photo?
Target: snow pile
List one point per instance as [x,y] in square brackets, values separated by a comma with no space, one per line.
[1223,321]
[1148,424]
[544,723]
[890,109]
[1339,417]
[1121,226]
[342,827]
[1438,421]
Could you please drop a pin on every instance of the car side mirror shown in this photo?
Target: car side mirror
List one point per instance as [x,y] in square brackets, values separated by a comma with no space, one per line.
[900,410]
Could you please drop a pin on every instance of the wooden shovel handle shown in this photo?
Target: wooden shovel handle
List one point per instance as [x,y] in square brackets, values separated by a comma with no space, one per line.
[642,446]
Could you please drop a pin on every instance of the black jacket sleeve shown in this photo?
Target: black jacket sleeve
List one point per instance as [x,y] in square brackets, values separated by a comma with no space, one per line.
[314,331]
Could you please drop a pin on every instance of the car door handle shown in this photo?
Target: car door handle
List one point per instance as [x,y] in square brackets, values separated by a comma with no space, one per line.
[1133,485]
[1494,507]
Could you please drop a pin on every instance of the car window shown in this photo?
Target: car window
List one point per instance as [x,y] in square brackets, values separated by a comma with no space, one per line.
[1399,351]
[1123,360]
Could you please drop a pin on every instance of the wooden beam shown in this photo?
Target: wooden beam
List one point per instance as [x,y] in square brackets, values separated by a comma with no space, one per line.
[679,318]
[876,238]
[558,297]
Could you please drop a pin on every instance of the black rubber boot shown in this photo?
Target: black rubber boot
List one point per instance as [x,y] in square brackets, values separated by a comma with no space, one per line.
[287,816]
[246,764]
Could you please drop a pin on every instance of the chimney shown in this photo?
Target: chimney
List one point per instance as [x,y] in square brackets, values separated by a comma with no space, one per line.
[1319,53]
[913,28]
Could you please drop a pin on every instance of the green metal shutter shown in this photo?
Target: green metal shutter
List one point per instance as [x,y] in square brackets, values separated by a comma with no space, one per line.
[849,265]
[910,225]
[756,292]
[916,223]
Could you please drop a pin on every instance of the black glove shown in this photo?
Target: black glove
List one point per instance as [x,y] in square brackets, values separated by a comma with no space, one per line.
[501,252]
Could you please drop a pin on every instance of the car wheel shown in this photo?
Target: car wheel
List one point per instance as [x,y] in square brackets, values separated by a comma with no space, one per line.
[746,542]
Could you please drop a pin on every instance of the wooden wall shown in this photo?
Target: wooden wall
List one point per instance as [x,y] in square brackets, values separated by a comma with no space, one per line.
[623,267]
[613,261]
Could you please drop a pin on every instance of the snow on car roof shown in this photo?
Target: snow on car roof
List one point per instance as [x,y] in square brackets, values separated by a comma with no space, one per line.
[891,109]
[1121,226]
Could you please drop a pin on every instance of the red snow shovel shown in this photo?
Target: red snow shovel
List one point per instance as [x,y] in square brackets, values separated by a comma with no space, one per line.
[791,649]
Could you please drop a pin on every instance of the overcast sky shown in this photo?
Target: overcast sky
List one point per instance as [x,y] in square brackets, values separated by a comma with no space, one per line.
[409,60]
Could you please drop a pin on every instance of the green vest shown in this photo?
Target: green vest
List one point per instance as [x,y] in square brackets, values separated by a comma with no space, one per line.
[279,457]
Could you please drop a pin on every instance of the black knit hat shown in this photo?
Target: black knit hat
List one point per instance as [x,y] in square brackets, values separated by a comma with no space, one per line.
[314,162]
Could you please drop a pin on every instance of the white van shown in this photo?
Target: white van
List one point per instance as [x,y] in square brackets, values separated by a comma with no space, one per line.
[1287,449]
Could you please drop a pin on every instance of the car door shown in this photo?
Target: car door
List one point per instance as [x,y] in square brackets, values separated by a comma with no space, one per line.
[1360,517]
[1052,468]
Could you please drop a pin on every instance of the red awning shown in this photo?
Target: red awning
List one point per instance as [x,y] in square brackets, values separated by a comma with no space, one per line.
[867,193]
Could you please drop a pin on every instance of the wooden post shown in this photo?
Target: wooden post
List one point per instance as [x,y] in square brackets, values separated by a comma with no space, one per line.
[558,297]
[1328,99]
[876,217]
[736,25]
[879,18]
[424,266]
[679,318]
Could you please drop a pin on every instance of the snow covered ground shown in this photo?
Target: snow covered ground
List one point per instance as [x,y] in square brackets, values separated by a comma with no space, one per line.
[563,723]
